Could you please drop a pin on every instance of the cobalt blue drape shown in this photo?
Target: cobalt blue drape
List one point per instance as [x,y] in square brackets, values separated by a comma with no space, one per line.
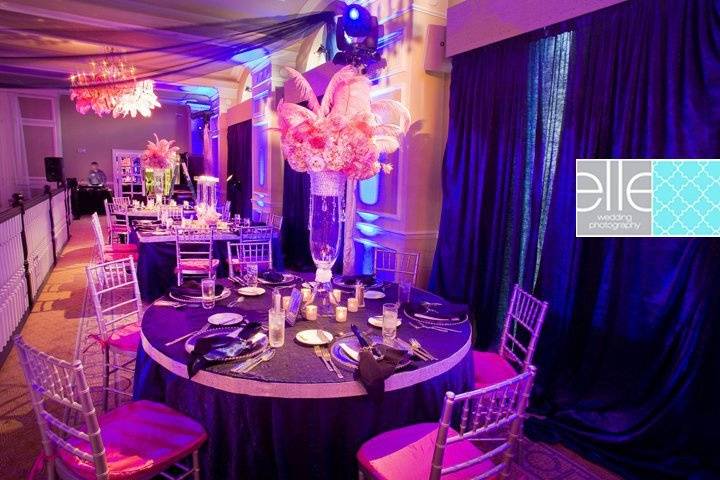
[628,358]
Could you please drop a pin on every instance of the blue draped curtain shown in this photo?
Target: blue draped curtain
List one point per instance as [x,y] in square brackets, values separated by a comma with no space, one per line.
[239,139]
[628,362]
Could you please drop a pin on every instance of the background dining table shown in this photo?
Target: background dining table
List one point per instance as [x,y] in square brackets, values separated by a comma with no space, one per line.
[291,417]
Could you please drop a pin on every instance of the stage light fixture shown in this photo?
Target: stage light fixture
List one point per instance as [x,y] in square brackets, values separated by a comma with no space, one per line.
[357,36]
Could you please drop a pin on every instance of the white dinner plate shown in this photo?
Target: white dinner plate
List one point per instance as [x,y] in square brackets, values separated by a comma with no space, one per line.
[225,318]
[374,295]
[376,321]
[251,291]
[314,337]
[287,278]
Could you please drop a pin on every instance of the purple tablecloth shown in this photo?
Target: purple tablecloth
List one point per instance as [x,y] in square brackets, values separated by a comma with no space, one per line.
[263,435]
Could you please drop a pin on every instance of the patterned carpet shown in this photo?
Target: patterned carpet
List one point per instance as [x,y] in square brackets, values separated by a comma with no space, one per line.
[52,326]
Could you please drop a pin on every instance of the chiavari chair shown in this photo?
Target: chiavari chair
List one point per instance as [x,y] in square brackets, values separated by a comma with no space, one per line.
[194,253]
[135,441]
[478,443]
[242,254]
[118,311]
[395,266]
[523,322]
[118,224]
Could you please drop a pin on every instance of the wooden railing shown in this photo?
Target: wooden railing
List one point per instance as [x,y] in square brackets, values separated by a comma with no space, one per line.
[32,234]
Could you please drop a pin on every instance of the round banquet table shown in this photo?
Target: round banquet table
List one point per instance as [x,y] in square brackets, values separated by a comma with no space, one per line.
[291,418]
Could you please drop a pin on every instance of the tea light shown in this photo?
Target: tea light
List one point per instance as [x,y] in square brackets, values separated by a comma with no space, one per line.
[285,302]
[341,314]
[311,312]
[337,293]
[352,304]
[306,292]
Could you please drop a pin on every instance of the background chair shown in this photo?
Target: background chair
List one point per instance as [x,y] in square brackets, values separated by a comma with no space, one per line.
[118,310]
[481,445]
[103,446]
[194,253]
[255,234]
[107,253]
[523,322]
[122,201]
[225,213]
[276,224]
[395,266]
[118,224]
[170,211]
[242,254]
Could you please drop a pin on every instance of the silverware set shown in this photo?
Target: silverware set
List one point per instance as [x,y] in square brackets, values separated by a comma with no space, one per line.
[324,354]
[415,348]
[251,363]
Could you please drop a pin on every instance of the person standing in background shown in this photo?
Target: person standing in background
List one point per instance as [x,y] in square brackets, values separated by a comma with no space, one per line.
[96,176]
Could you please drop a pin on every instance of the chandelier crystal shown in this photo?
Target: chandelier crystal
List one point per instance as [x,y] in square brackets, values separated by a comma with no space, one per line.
[111,88]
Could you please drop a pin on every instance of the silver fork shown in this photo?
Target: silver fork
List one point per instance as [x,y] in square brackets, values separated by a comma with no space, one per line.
[418,346]
[180,339]
[328,359]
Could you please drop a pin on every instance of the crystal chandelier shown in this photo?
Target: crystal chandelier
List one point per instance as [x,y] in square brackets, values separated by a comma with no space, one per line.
[111,88]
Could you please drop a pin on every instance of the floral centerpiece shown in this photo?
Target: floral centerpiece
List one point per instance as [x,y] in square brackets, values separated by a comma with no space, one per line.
[346,133]
[157,158]
[341,137]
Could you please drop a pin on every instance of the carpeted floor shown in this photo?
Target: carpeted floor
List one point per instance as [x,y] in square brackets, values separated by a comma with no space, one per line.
[52,326]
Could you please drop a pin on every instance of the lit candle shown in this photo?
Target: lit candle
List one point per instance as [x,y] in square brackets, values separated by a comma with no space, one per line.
[285,302]
[352,304]
[311,312]
[341,314]
[306,292]
[337,293]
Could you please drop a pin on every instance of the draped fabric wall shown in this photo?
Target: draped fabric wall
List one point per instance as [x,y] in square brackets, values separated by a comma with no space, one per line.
[627,358]
[239,138]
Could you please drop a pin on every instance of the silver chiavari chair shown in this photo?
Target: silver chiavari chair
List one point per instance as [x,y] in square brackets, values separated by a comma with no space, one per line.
[122,201]
[118,311]
[521,331]
[242,254]
[95,446]
[489,426]
[118,223]
[194,253]
[115,251]
[225,214]
[255,234]
[396,266]
[170,211]
[276,223]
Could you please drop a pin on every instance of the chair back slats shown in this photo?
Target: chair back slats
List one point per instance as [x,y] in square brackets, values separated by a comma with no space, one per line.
[97,229]
[122,201]
[115,294]
[396,266]
[225,214]
[54,381]
[193,245]
[242,254]
[486,413]
[523,322]
[116,216]
[276,223]
[255,234]
[170,211]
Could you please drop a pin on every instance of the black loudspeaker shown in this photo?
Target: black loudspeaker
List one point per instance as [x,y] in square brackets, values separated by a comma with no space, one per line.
[54,169]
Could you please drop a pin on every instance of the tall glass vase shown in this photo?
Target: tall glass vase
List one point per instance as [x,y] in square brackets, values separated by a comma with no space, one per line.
[159,182]
[327,194]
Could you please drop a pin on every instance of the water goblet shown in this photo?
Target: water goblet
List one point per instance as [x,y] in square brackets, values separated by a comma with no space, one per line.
[389,323]
[207,286]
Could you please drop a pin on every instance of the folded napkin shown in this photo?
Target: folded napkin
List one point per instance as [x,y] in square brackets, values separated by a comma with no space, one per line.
[435,312]
[373,372]
[367,280]
[192,288]
[272,276]
[218,348]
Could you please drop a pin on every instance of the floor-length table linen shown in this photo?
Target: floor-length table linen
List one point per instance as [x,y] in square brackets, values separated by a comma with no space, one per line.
[291,418]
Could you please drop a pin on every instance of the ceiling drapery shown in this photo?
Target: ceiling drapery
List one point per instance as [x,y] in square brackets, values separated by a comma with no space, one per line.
[169,53]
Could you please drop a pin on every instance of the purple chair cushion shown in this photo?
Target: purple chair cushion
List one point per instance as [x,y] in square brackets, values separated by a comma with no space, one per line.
[141,439]
[406,454]
[490,368]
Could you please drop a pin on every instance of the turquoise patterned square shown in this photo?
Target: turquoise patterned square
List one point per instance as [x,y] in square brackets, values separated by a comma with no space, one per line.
[686,198]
